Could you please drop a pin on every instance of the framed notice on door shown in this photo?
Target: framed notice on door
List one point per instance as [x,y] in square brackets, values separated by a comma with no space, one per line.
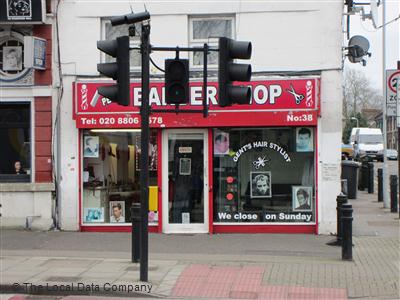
[185,166]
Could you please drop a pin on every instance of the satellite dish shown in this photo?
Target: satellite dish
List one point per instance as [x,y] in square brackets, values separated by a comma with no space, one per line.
[374,12]
[358,48]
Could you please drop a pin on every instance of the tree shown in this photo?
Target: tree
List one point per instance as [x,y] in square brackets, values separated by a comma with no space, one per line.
[350,124]
[359,94]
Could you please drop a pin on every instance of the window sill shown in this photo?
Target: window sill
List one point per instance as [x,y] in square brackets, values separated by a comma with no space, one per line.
[26,187]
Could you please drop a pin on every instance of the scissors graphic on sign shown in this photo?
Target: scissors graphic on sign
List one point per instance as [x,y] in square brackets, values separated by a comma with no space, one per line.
[260,162]
[297,97]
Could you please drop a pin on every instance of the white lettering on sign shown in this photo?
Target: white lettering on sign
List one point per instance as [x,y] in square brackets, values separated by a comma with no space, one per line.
[262,94]
[262,144]
[237,216]
[154,98]
[137,96]
[299,118]
[295,217]
[185,150]
[211,95]
[275,91]
[195,95]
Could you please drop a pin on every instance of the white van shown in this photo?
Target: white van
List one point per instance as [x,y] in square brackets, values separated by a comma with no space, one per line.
[368,142]
[353,135]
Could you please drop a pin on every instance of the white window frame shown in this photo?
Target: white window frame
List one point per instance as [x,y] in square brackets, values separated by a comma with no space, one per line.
[213,42]
[133,42]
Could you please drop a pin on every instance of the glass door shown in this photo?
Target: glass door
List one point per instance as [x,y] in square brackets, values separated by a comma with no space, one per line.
[185,181]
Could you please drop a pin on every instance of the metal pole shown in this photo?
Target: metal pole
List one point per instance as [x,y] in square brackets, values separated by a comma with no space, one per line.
[370,178]
[380,187]
[205,75]
[398,132]
[144,163]
[136,220]
[347,231]
[384,117]
[393,193]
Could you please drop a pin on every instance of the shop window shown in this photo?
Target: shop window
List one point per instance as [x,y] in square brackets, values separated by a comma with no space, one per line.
[111,170]
[264,175]
[15,134]
[208,30]
[112,32]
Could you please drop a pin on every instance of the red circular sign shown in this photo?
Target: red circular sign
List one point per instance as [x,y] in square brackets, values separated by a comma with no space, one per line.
[392,81]
[229,196]
[229,179]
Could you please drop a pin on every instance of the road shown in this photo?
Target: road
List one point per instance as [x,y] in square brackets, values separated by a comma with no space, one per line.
[392,166]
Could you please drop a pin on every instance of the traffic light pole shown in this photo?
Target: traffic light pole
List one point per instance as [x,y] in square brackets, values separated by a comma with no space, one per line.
[144,163]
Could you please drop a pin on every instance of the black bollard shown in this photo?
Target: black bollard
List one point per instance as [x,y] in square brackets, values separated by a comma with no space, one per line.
[363,175]
[393,193]
[347,231]
[340,200]
[380,185]
[136,223]
[370,178]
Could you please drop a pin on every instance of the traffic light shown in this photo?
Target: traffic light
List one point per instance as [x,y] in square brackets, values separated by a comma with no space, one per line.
[229,72]
[118,70]
[176,81]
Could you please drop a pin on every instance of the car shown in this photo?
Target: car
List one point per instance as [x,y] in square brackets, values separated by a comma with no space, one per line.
[391,154]
[347,150]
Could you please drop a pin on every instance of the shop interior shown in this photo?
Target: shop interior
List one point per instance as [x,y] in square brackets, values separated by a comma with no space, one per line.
[111,170]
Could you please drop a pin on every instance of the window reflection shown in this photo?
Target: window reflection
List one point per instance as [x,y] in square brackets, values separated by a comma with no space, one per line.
[261,175]
[111,176]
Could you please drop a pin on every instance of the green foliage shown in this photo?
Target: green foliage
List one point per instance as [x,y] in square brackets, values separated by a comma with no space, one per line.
[362,122]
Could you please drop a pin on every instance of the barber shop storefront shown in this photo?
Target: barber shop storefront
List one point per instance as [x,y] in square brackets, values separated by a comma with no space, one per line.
[246,168]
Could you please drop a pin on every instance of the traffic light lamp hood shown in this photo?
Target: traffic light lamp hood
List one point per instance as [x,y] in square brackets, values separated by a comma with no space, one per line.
[239,49]
[108,46]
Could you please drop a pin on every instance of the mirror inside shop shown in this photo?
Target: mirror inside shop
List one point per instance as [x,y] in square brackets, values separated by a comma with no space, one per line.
[111,175]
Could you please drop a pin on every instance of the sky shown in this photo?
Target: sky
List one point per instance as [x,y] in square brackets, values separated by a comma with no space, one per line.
[373,70]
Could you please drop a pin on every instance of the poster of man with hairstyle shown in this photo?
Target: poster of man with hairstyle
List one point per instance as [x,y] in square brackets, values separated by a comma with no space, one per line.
[12,58]
[304,140]
[302,196]
[260,186]
[221,143]
[91,146]
[117,211]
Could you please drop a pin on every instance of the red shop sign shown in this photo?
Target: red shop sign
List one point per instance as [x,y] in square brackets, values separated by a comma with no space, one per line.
[274,102]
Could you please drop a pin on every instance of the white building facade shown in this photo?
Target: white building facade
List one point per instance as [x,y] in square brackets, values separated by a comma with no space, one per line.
[195,186]
[28,91]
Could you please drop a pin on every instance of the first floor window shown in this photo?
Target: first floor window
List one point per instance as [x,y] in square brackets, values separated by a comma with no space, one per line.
[208,30]
[15,134]
[264,175]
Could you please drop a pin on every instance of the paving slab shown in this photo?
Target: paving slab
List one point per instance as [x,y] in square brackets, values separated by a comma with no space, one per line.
[241,266]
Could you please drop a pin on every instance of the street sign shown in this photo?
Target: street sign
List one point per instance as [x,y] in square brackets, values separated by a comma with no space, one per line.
[392,78]
[398,103]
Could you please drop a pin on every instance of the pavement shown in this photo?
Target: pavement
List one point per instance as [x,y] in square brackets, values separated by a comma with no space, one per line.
[79,265]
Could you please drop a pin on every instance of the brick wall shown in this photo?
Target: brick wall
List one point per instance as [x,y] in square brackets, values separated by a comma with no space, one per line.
[43,113]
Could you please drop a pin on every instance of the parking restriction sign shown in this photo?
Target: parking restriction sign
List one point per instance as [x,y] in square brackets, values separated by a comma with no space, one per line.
[392,80]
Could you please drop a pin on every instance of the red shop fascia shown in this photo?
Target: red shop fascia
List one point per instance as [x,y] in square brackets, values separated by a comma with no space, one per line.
[280,102]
